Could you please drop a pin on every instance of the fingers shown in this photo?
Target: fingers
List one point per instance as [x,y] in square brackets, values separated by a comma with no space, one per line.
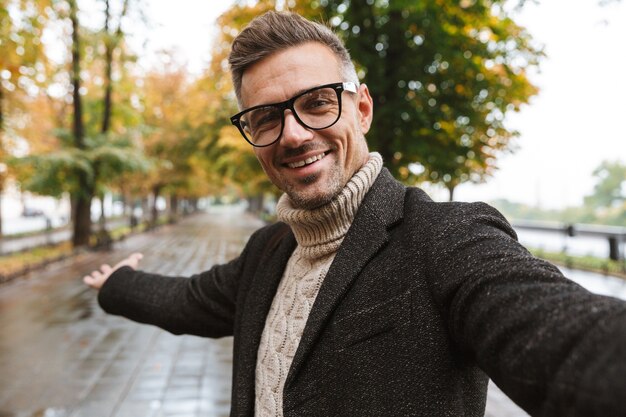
[98,277]
[89,280]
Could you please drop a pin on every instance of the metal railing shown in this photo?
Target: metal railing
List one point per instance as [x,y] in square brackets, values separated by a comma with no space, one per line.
[615,236]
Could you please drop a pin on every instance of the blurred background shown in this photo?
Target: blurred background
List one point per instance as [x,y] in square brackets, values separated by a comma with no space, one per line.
[114,120]
[120,107]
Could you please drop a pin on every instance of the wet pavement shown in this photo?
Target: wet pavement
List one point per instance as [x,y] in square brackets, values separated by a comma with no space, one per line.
[61,356]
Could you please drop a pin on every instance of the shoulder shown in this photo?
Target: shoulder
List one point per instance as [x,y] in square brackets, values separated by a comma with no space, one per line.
[450,218]
[412,208]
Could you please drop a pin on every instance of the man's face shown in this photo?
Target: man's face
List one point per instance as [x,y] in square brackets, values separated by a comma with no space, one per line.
[331,156]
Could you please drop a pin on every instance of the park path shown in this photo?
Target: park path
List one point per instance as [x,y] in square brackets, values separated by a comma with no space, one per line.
[61,356]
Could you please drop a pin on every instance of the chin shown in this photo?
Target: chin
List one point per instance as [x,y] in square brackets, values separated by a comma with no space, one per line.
[309,203]
[312,200]
[315,190]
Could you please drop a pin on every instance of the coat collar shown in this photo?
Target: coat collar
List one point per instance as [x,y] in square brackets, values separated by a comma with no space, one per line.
[255,309]
[380,210]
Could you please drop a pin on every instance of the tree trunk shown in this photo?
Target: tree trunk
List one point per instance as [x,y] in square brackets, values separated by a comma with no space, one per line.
[154,216]
[145,208]
[1,117]
[1,191]
[82,214]
[77,121]
[103,220]
[451,192]
[2,174]
[255,203]
[385,124]
[108,68]
[82,222]
[173,212]
[125,198]
[110,44]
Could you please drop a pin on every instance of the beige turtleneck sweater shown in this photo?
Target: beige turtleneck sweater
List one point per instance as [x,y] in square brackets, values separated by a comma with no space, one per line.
[319,233]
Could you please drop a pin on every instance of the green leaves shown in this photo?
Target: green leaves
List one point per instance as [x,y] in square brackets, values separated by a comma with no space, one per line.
[610,188]
[443,75]
[106,159]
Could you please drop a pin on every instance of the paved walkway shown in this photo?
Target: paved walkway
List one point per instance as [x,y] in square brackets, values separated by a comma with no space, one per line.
[61,356]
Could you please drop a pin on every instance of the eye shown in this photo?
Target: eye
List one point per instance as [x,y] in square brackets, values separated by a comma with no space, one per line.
[264,118]
[318,100]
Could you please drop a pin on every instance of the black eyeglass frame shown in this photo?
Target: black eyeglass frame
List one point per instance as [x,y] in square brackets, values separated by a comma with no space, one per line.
[288,104]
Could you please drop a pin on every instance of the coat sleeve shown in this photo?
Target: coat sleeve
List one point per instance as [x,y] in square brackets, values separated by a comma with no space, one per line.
[553,347]
[203,304]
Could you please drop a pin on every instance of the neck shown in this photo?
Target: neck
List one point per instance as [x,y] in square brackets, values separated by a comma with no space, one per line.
[321,230]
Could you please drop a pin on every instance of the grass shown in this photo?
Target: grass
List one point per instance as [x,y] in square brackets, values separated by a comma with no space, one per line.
[586,263]
[20,262]
[16,264]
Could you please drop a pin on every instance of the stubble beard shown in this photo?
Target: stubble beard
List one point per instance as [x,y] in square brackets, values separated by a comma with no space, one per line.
[302,199]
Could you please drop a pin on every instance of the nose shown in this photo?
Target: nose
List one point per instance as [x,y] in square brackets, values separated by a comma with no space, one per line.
[294,134]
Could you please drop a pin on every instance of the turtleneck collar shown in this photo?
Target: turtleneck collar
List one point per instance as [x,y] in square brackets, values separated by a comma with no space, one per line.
[320,231]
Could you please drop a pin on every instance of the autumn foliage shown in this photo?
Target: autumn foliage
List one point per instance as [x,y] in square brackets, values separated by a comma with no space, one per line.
[443,75]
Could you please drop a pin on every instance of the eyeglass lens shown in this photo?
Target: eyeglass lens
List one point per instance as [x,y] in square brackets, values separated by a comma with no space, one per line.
[317,109]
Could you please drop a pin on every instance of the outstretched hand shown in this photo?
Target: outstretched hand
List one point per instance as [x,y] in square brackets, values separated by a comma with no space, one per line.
[98,277]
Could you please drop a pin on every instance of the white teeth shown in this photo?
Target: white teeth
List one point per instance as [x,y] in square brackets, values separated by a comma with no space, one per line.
[306,161]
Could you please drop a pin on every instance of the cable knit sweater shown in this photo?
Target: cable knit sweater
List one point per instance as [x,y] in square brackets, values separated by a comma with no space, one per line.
[319,234]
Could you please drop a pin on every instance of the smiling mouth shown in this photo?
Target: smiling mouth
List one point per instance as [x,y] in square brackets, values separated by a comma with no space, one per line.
[307,161]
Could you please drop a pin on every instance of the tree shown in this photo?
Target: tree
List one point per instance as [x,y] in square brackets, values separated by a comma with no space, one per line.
[230,160]
[54,173]
[83,193]
[96,150]
[171,139]
[443,75]
[610,188]
[112,39]
[21,60]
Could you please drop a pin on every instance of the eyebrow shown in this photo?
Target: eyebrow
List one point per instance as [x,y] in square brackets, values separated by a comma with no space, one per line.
[290,97]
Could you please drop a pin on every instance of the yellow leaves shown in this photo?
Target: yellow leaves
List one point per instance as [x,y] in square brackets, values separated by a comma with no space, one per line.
[230,137]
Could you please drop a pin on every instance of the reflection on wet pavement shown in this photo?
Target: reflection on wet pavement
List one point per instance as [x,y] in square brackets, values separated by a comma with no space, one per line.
[61,356]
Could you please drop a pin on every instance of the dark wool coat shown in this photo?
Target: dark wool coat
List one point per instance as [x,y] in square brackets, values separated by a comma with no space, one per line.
[422,302]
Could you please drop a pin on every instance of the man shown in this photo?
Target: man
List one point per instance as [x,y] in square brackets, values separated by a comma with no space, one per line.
[367,298]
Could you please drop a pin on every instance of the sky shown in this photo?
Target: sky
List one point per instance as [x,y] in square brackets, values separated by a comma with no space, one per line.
[577,120]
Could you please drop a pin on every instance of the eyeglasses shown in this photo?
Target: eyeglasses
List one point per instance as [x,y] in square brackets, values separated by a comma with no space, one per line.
[317,108]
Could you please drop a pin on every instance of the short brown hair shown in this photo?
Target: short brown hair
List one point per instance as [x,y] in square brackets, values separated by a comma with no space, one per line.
[275,31]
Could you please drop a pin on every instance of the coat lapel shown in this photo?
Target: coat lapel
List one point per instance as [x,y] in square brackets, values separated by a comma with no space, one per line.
[256,307]
[381,208]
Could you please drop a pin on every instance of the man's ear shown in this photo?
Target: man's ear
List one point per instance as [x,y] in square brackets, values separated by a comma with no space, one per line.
[365,107]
